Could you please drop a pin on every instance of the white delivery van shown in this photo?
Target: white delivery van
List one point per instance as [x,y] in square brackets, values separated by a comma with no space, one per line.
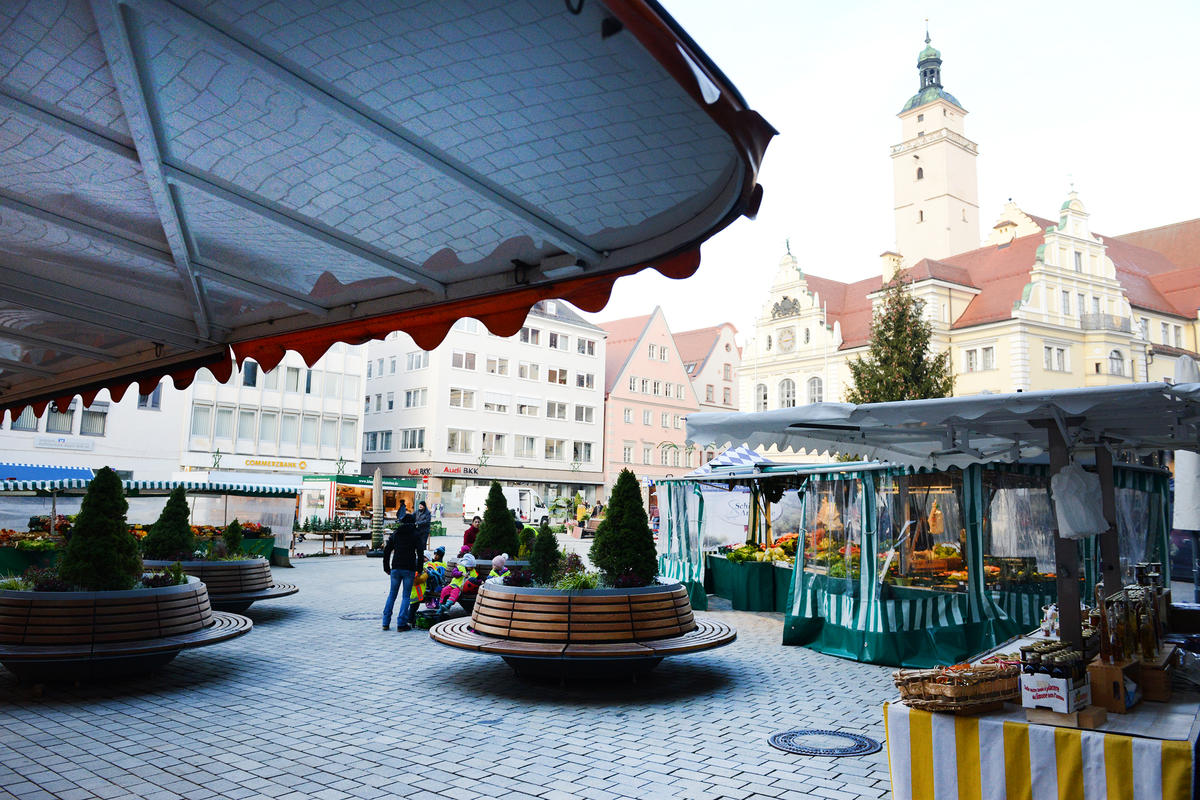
[522,499]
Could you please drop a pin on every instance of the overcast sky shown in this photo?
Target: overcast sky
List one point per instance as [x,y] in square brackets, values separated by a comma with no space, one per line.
[1104,93]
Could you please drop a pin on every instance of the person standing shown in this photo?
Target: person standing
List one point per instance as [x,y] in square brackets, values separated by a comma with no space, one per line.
[471,532]
[424,519]
[402,558]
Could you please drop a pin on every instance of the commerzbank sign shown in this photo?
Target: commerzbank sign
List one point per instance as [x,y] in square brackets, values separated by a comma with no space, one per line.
[267,462]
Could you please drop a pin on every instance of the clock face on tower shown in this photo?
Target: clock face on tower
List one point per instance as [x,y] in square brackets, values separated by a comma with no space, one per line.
[787,340]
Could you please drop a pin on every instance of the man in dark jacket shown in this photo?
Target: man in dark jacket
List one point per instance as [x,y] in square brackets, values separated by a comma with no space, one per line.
[402,557]
[424,519]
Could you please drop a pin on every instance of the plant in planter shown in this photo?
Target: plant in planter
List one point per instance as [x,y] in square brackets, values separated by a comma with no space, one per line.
[545,556]
[102,554]
[624,545]
[171,538]
[232,535]
[497,532]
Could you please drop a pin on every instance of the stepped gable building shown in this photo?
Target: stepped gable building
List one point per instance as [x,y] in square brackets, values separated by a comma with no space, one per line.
[711,359]
[647,393]
[1040,303]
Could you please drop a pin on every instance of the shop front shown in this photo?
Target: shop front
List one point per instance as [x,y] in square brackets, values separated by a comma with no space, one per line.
[349,497]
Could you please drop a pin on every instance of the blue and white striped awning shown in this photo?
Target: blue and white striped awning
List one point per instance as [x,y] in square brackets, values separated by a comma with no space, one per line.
[41,472]
[731,459]
[74,485]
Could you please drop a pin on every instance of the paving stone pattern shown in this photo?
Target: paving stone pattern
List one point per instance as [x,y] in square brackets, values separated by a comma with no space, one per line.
[310,705]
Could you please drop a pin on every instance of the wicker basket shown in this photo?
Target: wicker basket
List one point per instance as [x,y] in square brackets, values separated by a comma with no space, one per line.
[958,689]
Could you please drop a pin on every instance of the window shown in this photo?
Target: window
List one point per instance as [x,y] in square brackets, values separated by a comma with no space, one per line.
[1054,359]
[1166,329]
[585,414]
[378,367]
[328,432]
[250,374]
[379,402]
[26,421]
[585,380]
[727,396]
[268,427]
[385,440]
[1116,363]
[308,432]
[675,457]
[1178,336]
[656,388]
[1144,327]
[497,365]
[807,335]
[581,452]
[349,386]
[627,453]
[972,361]
[556,410]
[709,393]
[679,390]
[493,444]
[312,386]
[920,216]
[367,404]
[412,439]
[333,385]
[527,408]
[458,441]
[920,174]
[678,422]
[585,347]
[201,419]
[787,393]
[528,371]
[291,381]
[467,325]
[526,447]
[760,397]
[152,401]
[690,367]
[417,360]
[666,420]
[1095,305]
[461,359]
[61,421]
[557,341]
[647,417]
[558,376]
[646,454]
[371,438]
[816,390]
[392,365]
[390,402]
[645,385]
[93,420]
[629,415]
[1066,303]
[989,357]
[556,449]
[662,353]
[289,429]
[633,383]
[529,335]
[727,372]
[415,398]
[1078,261]
[223,424]
[369,376]
[688,459]
[246,426]
[653,352]
[462,398]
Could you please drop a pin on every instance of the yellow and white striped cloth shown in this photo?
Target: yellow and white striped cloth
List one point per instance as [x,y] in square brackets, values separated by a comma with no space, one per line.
[944,757]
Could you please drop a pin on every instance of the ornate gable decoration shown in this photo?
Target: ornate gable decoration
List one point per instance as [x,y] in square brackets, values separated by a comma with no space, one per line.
[787,307]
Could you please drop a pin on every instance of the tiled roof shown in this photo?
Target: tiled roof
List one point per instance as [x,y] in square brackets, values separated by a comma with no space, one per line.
[1137,270]
[1000,273]
[623,335]
[1179,242]
[695,346]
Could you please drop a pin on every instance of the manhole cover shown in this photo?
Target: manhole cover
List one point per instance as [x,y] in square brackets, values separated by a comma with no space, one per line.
[824,743]
[362,615]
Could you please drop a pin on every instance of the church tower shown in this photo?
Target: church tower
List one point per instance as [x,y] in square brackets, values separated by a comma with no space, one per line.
[937,193]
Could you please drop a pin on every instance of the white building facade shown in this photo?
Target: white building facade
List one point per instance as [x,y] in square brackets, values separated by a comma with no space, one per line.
[527,410]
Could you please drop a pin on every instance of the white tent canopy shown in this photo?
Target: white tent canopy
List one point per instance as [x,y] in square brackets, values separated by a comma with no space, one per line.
[957,431]
[734,458]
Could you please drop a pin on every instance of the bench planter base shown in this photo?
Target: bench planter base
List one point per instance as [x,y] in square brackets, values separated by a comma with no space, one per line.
[50,636]
[233,585]
[595,633]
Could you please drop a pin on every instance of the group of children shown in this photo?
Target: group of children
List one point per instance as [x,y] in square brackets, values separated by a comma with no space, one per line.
[439,585]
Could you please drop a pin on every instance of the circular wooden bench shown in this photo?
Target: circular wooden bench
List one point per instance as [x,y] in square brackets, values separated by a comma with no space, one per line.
[233,585]
[545,631]
[73,635]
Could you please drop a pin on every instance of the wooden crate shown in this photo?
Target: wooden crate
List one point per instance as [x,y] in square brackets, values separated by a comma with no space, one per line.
[1108,684]
[1155,676]
[1086,718]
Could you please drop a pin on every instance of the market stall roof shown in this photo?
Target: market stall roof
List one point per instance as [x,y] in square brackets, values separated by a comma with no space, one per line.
[41,472]
[740,458]
[80,485]
[957,431]
[179,178]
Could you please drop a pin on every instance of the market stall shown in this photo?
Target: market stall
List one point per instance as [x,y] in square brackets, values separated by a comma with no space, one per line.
[1062,745]
[349,497]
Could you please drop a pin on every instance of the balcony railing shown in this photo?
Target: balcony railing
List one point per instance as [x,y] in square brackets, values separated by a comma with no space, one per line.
[1105,322]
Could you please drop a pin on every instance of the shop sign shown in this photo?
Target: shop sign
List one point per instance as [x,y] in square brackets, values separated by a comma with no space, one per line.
[266,462]
[425,472]
[63,443]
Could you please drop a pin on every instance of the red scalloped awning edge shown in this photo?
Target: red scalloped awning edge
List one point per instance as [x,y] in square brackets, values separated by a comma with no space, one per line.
[503,314]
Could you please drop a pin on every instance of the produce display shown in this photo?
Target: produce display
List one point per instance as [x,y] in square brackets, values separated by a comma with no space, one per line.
[29,540]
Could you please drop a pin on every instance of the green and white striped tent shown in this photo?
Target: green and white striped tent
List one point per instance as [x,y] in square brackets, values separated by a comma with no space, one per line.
[65,486]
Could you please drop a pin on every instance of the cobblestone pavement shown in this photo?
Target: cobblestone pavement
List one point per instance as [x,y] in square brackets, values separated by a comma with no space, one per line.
[311,704]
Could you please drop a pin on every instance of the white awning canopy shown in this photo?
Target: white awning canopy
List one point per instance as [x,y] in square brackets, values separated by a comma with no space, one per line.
[183,178]
[957,431]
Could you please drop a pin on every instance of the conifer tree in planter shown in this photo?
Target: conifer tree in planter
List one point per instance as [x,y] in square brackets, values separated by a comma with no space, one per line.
[171,538]
[623,549]
[102,554]
[497,533]
[544,560]
[233,537]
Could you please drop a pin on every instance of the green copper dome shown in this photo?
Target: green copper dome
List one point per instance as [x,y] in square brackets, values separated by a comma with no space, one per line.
[928,95]
[929,52]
